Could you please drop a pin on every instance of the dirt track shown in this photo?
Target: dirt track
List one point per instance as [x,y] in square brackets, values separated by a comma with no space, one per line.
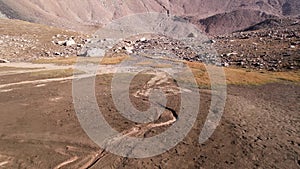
[39,129]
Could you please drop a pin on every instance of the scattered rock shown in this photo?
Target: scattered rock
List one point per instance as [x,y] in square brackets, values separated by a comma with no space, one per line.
[129,49]
[94,52]
[57,53]
[191,35]
[232,53]
[143,39]
[295,43]
[4,61]
[61,43]
[226,64]
[269,49]
[70,42]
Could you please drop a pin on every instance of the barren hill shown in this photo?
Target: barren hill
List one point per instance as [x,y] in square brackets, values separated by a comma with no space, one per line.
[232,21]
[227,15]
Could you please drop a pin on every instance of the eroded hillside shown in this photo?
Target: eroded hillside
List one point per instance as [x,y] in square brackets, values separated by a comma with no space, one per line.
[89,15]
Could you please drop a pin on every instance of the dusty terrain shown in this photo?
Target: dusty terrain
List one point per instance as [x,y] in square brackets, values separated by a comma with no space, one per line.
[259,128]
[39,127]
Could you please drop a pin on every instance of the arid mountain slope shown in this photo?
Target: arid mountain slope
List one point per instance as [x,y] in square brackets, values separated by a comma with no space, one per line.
[232,21]
[84,15]
[24,41]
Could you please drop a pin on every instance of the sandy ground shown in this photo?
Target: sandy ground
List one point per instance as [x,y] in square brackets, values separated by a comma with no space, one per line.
[39,127]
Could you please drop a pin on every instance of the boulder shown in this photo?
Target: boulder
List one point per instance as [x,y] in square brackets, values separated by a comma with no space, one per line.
[129,49]
[70,42]
[143,39]
[61,42]
[57,53]
[91,52]
[3,61]
[191,35]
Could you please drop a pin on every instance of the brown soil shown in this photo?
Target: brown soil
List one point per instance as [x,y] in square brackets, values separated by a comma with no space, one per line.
[259,129]
[38,75]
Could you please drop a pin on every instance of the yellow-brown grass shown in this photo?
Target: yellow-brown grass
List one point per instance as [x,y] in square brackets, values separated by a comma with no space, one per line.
[144,63]
[233,75]
[74,60]
[58,61]
[161,65]
[7,68]
[114,60]
[54,73]
[243,76]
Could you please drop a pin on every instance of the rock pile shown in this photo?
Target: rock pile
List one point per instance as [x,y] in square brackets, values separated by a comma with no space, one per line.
[68,46]
[157,47]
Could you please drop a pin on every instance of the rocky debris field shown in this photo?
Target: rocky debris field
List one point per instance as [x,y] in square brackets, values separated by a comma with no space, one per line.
[13,46]
[22,41]
[69,45]
[27,48]
[156,46]
[165,47]
[273,49]
[272,45]
[268,46]
[267,49]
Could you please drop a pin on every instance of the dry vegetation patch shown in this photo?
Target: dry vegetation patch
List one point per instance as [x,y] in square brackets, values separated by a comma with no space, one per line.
[48,74]
[243,76]
[74,60]
[114,60]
